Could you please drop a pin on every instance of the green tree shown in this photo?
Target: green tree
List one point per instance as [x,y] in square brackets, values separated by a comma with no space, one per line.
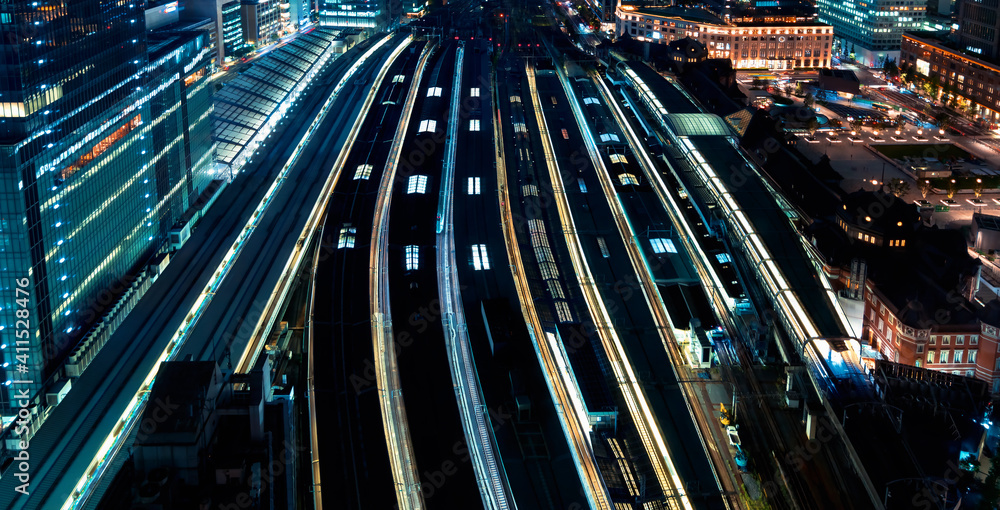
[812,125]
[890,69]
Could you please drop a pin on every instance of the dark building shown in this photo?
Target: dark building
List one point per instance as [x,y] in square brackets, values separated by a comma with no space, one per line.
[209,442]
[685,52]
[977,28]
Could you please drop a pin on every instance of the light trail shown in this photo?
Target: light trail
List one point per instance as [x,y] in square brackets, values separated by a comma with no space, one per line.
[635,399]
[650,292]
[576,436]
[314,221]
[785,300]
[134,409]
[397,433]
[490,476]
[312,225]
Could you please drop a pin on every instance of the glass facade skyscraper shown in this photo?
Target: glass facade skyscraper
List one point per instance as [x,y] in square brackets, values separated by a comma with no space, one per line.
[232,31]
[870,31]
[73,182]
[82,200]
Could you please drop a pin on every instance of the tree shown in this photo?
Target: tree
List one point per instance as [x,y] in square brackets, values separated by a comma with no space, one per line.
[856,124]
[990,493]
[898,187]
[925,188]
[943,120]
[809,100]
[812,125]
[890,69]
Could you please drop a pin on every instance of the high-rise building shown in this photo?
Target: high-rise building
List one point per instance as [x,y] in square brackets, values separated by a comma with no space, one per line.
[870,31]
[232,31]
[979,28]
[105,146]
[75,191]
[180,62]
[261,21]
[368,14]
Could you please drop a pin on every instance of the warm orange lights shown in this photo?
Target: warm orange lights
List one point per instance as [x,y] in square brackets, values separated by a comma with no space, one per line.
[100,147]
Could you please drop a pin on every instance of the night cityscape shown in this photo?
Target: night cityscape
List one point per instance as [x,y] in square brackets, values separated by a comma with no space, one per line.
[499,254]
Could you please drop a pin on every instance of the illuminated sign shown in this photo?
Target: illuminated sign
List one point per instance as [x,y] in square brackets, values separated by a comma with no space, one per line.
[171,7]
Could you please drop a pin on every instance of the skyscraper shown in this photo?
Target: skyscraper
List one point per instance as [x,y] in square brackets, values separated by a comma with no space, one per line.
[979,28]
[371,14]
[870,31]
[74,187]
[94,171]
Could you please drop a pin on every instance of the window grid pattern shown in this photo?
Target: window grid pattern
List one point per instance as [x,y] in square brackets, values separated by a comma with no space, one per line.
[662,245]
[412,257]
[416,184]
[363,172]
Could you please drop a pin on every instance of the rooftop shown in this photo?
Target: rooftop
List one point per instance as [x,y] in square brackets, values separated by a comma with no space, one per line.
[760,18]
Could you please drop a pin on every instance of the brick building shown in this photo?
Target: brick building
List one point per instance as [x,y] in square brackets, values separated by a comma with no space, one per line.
[974,80]
[919,287]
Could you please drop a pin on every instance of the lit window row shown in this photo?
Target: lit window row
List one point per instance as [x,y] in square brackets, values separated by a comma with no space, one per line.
[628,180]
[618,158]
[363,172]
[412,257]
[427,126]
